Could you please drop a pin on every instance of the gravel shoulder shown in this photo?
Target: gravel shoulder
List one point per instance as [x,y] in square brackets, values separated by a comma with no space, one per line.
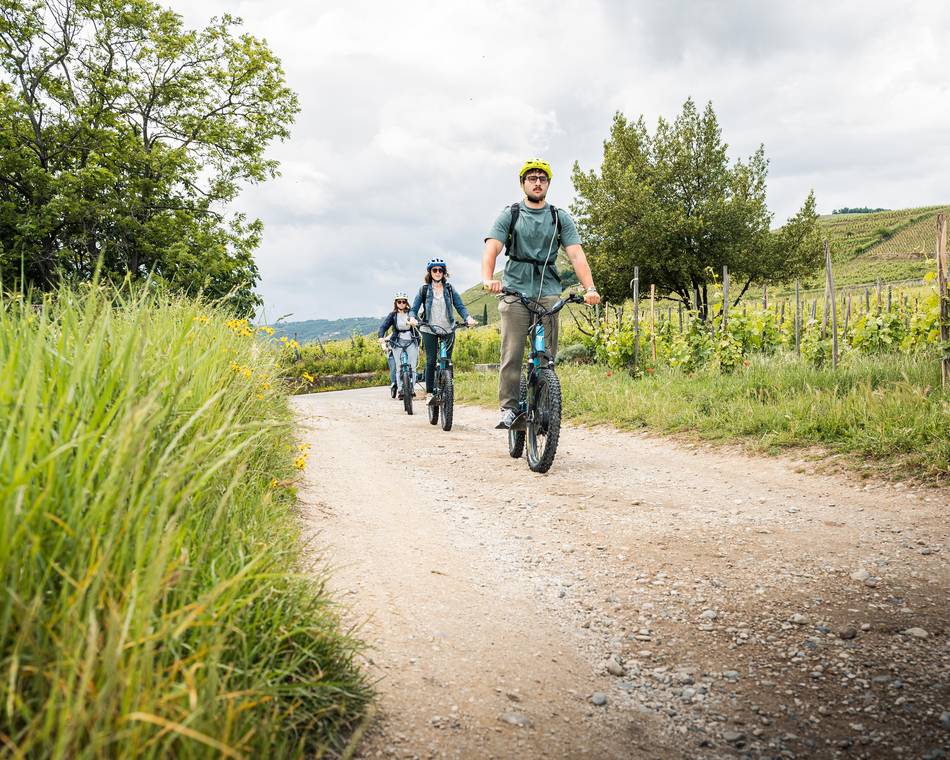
[645,598]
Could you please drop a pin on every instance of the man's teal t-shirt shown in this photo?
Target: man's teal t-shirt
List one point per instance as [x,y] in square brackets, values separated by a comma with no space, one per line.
[533,240]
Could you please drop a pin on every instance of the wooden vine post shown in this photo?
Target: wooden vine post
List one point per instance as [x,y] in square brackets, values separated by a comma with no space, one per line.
[635,287]
[834,306]
[798,318]
[944,299]
[653,320]
[725,298]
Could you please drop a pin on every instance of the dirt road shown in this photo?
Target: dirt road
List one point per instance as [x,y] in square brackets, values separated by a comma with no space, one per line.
[646,598]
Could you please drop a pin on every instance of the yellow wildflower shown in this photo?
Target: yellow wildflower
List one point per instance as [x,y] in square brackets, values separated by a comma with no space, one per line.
[266,330]
[265,386]
[308,377]
[202,319]
[274,482]
[300,462]
[239,327]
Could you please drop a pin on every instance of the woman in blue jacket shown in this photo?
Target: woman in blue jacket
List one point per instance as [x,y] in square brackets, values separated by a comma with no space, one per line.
[438,299]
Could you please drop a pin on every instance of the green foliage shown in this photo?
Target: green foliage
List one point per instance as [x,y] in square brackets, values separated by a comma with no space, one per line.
[123,136]
[149,546]
[671,204]
[752,330]
[476,346]
[576,353]
[861,210]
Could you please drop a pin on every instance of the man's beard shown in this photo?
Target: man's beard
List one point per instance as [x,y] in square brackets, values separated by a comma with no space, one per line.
[536,196]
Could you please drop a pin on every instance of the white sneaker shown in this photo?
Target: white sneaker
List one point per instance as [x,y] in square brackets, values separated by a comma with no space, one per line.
[507,417]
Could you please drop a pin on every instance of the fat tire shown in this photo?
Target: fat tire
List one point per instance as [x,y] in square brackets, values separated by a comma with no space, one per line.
[408,391]
[516,437]
[547,403]
[447,401]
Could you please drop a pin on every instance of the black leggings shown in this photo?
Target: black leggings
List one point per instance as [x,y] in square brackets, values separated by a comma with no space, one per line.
[431,344]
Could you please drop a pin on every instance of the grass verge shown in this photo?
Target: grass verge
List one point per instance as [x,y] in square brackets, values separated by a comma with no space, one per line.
[148,543]
[889,410]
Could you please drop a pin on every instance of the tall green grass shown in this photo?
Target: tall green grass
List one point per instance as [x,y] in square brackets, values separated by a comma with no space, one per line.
[154,599]
[887,408]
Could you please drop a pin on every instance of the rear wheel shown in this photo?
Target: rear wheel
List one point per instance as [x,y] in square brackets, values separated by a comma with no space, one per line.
[448,400]
[408,389]
[544,421]
[516,437]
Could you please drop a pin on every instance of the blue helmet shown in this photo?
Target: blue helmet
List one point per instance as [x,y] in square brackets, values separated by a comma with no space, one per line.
[435,263]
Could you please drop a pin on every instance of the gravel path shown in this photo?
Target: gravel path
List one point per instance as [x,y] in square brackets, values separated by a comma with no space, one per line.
[645,598]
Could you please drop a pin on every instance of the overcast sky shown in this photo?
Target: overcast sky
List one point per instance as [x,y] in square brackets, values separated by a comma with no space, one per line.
[416,116]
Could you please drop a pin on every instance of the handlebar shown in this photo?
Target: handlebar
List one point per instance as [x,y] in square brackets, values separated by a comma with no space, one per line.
[395,341]
[536,308]
[443,333]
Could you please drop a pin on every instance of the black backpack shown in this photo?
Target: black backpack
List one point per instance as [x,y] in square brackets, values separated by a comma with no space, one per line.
[510,242]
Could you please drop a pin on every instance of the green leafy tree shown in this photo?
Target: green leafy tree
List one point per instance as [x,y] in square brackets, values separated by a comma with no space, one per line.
[485,314]
[672,204]
[123,138]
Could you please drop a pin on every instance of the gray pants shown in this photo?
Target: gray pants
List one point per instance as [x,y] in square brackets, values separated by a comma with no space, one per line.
[412,352]
[515,322]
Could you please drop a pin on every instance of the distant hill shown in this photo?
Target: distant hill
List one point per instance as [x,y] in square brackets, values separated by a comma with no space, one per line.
[858,210]
[312,330]
[886,245]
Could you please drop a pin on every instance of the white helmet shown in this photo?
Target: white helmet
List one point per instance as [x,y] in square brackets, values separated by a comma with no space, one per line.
[401,296]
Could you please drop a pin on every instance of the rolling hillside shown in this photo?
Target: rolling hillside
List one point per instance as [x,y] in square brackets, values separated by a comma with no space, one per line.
[312,330]
[890,245]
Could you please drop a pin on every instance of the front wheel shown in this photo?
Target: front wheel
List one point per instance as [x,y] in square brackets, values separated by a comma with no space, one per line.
[408,390]
[516,437]
[448,400]
[544,421]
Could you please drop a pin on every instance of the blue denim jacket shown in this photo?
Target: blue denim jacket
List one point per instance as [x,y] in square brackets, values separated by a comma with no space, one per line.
[452,298]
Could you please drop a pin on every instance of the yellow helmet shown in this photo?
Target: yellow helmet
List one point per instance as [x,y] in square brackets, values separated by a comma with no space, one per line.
[535,163]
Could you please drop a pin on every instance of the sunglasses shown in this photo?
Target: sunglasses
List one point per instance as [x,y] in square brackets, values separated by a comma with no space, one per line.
[534,178]
[402,300]
[437,269]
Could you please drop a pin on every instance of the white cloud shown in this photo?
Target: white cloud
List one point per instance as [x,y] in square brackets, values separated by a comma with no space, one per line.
[416,115]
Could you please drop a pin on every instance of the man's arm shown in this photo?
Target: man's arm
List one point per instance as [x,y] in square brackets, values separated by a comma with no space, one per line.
[582,269]
[489,257]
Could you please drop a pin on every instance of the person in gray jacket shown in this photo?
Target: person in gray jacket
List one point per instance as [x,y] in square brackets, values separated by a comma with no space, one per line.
[439,299]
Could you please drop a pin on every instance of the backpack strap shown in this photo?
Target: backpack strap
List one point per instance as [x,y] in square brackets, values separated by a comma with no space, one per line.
[510,243]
